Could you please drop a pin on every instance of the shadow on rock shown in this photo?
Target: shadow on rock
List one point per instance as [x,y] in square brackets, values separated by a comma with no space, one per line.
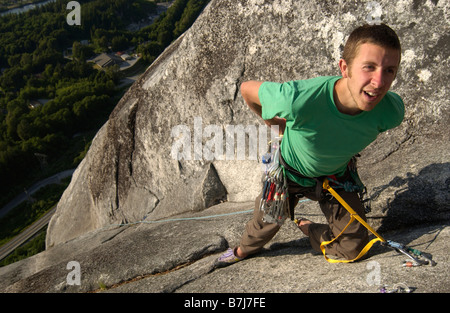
[417,199]
[294,247]
[417,205]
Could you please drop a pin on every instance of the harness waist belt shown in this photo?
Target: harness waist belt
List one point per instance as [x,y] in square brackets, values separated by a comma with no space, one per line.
[291,169]
[319,180]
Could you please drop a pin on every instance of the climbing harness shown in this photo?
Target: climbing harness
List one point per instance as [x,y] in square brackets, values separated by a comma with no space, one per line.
[274,201]
[417,257]
[353,185]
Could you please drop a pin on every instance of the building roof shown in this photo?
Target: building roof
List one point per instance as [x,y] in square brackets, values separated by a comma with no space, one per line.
[104,60]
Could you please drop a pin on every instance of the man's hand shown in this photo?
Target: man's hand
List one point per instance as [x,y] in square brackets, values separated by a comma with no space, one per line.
[277,121]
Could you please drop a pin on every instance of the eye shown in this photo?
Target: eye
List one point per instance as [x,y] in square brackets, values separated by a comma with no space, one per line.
[390,71]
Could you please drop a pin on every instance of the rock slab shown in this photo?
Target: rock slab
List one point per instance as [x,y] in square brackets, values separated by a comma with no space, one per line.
[178,256]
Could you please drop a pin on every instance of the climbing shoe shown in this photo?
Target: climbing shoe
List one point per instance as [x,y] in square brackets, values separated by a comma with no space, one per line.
[228,258]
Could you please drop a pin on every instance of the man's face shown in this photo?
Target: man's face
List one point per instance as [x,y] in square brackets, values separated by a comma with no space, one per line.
[370,75]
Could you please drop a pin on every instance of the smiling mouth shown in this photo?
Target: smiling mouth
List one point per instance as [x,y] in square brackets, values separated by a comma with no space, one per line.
[370,95]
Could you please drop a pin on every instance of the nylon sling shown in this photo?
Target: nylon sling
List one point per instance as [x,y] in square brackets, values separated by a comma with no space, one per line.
[353,216]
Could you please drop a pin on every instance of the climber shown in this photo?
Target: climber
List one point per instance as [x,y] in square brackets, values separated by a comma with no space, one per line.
[325,122]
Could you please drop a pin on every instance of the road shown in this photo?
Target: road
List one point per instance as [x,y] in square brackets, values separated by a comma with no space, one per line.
[11,245]
[24,195]
[29,232]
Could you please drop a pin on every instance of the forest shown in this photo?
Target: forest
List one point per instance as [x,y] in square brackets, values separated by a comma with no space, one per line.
[51,105]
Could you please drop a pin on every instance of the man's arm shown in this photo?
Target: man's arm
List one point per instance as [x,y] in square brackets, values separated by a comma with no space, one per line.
[249,91]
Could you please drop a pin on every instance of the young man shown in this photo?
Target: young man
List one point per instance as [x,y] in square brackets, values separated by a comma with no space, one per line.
[325,122]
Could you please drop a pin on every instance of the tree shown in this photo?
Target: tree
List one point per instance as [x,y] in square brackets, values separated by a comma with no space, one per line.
[81,52]
[190,13]
[15,112]
[24,129]
[12,79]
[119,43]
[150,50]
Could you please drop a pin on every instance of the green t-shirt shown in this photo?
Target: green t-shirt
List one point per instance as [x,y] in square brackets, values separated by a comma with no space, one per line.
[319,140]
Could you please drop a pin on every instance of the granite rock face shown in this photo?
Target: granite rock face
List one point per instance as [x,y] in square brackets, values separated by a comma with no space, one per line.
[188,99]
[190,95]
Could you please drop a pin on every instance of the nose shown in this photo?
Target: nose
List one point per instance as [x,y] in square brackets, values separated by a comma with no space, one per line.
[378,79]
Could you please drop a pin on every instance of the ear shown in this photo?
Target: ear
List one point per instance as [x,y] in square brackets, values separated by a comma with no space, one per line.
[344,68]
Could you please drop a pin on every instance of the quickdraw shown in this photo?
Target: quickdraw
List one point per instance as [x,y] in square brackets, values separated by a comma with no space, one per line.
[417,257]
[274,199]
[397,288]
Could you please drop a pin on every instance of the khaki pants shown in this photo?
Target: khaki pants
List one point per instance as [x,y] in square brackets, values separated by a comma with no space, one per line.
[257,233]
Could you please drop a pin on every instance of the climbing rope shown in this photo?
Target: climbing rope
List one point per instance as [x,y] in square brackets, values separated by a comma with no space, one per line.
[178,219]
